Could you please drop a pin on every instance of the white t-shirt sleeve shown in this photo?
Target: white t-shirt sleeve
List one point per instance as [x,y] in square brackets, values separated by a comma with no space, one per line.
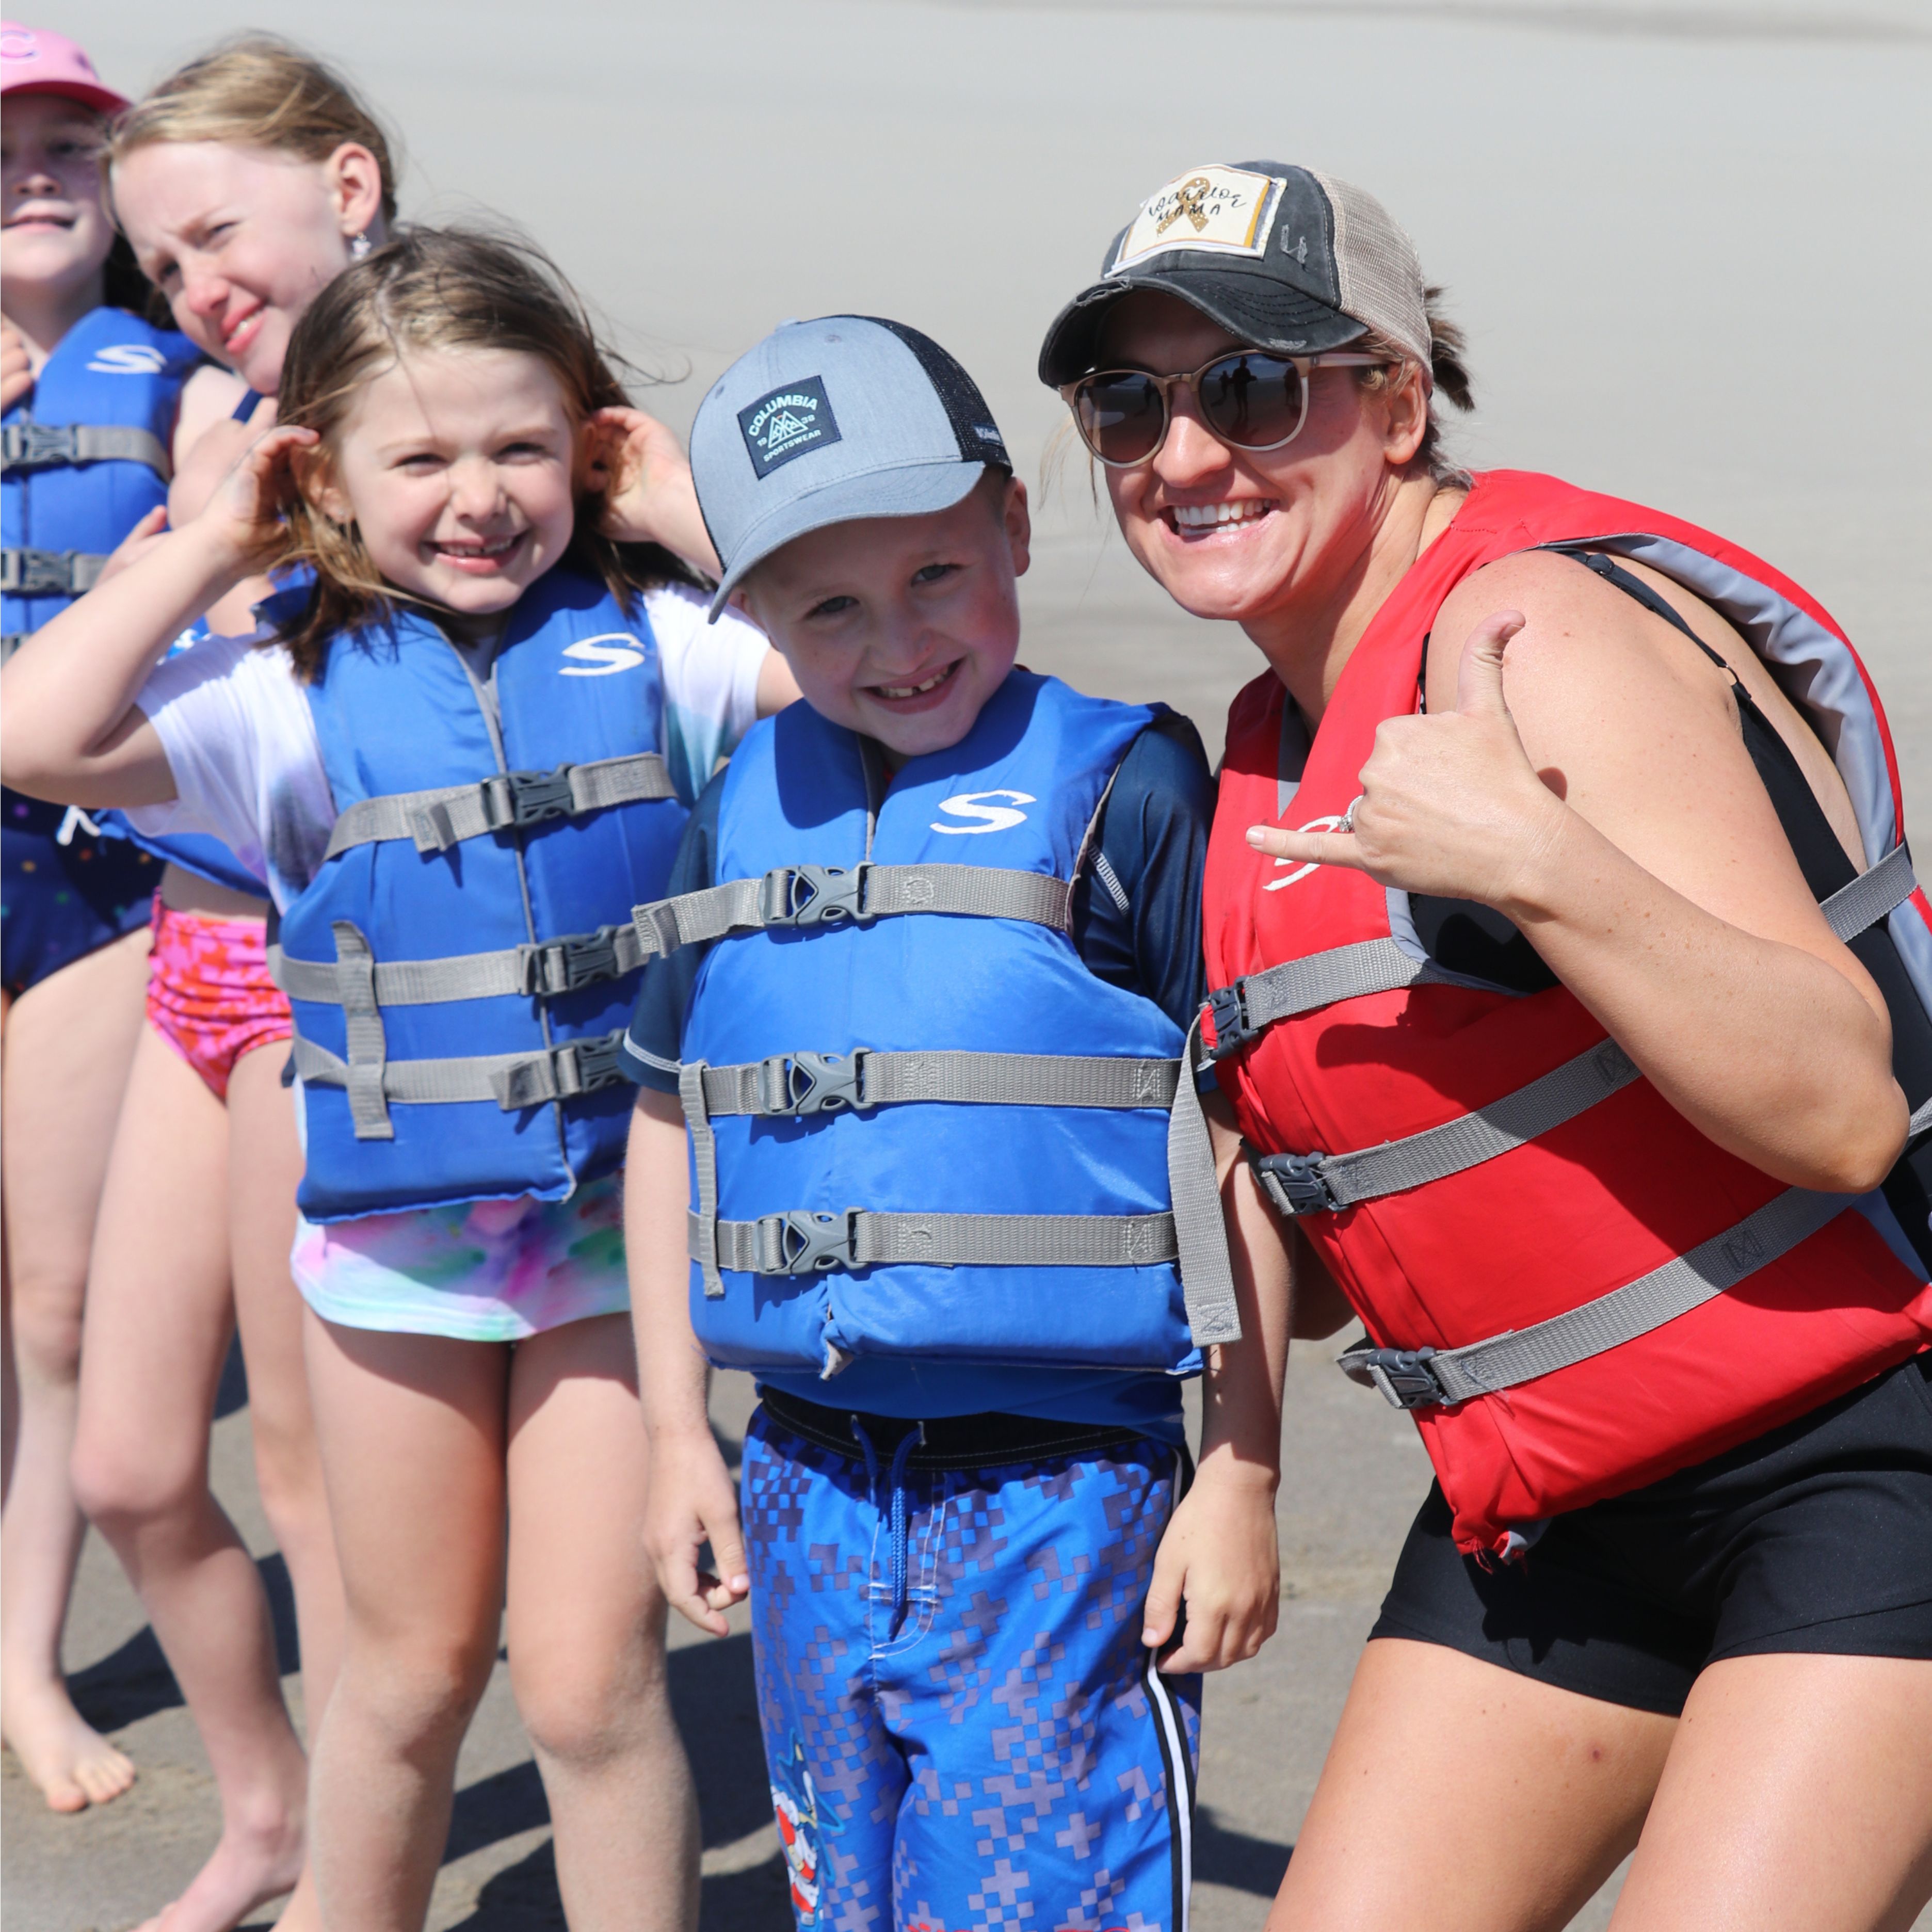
[240,741]
[710,681]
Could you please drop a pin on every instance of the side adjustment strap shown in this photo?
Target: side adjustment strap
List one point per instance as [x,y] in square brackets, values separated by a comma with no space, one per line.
[444,816]
[29,446]
[49,573]
[810,896]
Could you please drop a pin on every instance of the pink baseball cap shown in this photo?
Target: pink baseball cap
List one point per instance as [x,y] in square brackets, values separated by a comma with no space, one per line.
[33,61]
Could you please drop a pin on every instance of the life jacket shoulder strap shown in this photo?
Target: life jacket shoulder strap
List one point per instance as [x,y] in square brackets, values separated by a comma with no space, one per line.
[445,815]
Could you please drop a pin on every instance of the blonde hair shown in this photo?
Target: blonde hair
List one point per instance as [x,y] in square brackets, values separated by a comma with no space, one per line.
[435,289]
[258,91]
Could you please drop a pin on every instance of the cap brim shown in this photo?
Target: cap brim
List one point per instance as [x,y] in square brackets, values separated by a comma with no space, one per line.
[1260,310]
[917,490]
[103,99]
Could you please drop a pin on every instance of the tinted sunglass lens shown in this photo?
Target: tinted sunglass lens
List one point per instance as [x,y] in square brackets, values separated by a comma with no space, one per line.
[1121,416]
[1254,402]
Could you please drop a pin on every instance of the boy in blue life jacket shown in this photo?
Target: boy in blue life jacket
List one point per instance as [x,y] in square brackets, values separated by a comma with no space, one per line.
[915,1018]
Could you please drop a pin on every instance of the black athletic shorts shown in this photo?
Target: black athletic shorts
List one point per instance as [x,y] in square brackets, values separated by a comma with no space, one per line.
[1815,1537]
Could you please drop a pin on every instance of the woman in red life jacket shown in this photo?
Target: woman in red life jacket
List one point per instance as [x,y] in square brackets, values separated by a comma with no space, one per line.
[1572,995]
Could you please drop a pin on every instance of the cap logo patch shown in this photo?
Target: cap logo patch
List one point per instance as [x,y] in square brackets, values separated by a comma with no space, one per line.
[1210,211]
[787,424]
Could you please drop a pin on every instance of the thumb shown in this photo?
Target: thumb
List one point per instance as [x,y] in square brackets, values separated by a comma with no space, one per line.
[728,1552]
[1163,1596]
[1479,679]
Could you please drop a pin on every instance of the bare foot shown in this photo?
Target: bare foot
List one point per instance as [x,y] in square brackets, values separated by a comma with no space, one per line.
[249,1868]
[73,1765]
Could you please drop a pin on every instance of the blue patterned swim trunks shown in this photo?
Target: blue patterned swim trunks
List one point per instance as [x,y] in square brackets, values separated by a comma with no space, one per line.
[963,1727]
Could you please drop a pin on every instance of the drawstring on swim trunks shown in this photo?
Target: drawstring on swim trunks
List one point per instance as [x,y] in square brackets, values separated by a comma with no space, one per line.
[895,1480]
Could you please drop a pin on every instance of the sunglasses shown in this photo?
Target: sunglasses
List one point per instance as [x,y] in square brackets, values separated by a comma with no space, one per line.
[1249,399]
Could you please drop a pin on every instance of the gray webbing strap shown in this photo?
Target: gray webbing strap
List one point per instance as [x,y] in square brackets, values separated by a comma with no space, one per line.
[1423,1378]
[1872,895]
[512,1080]
[816,1083]
[555,966]
[11,643]
[368,1048]
[444,816]
[1318,1184]
[49,573]
[805,1243]
[1259,999]
[808,896]
[29,446]
[1207,1274]
[702,1234]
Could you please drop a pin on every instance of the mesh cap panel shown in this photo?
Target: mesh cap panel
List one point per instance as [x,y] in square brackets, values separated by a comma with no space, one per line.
[1377,268]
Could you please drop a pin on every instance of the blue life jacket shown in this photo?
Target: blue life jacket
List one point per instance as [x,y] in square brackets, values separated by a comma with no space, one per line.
[65,509]
[460,969]
[864,1090]
[67,496]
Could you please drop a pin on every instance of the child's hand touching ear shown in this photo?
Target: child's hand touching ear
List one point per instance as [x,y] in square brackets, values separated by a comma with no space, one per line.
[640,466]
[243,520]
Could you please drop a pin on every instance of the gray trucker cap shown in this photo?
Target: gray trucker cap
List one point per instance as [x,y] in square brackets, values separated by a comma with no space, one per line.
[826,421]
[1284,257]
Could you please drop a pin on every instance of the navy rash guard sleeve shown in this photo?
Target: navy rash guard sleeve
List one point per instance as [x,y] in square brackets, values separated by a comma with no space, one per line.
[1136,912]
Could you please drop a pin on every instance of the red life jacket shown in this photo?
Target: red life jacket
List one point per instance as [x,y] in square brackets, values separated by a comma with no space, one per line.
[1745,1304]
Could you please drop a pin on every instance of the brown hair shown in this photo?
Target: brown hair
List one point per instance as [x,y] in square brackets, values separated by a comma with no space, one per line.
[432,289]
[257,90]
[1447,370]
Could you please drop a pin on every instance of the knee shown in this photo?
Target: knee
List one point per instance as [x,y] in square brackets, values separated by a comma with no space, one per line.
[582,1709]
[418,1692]
[46,1318]
[123,1486]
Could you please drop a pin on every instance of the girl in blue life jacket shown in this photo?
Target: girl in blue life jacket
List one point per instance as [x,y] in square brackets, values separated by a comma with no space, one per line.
[459,795]
[91,392]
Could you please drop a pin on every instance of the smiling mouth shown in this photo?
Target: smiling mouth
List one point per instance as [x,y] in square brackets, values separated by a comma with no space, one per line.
[243,331]
[1197,519]
[40,218]
[478,550]
[900,692]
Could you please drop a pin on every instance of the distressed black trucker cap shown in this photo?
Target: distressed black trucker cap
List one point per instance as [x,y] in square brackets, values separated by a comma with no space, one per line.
[825,422]
[1283,257]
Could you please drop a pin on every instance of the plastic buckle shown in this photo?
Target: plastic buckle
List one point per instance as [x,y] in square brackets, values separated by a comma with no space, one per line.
[1295,1182]
[1403,1375]
[1228,1006]
[33,446]
[563,965]
[38,573]
[814,1083]
[594,1064]
[809,1243]
[832,894]
[526,798]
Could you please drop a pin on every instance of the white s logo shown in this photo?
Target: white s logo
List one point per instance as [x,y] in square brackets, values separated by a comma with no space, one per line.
[128,359]
[992,818]
[1333,823]
[609,651]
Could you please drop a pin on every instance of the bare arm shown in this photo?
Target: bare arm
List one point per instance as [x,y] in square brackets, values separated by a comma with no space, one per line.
[74,733]
[1220,1554]
[690,1501]
[1610,810]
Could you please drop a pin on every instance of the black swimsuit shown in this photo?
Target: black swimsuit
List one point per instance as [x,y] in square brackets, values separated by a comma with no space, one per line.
[1816,1537]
